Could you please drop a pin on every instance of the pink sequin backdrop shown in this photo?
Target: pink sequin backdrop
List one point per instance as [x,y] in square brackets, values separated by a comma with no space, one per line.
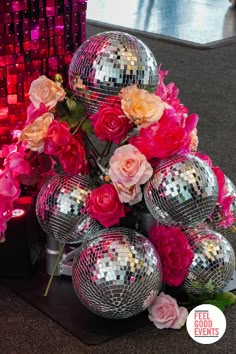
[36,37]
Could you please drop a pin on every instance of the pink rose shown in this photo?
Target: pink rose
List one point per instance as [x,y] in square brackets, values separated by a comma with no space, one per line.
[131,195]
[58,137]
[110,123]
[165,313]
[103,205]
[46,91]
[129,167]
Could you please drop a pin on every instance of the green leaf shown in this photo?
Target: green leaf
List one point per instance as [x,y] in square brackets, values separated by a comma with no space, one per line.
[217,303]
[71,104]
[75,108]
[222,300]
[87,127]
[149,88]
[72,122]
[62,108]
[227,297]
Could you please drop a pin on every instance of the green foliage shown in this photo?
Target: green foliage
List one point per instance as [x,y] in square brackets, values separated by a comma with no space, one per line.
[220,300]
[87,127]
[70,111]
[149,89]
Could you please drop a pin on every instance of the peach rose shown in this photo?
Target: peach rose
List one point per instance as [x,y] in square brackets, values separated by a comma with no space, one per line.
[35,133]
[46,91]
[129,167]
[141,106]
[165,313]
[131,195]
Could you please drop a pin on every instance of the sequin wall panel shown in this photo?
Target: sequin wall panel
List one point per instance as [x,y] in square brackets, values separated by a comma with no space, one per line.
[36,37]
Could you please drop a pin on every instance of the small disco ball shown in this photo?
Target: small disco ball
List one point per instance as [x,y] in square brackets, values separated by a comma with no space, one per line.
[182,192]
[117,274]
[60,209]
[108,61]
[213,222]
[213,263]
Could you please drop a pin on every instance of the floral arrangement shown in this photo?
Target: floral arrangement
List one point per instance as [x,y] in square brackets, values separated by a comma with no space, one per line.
[142,126]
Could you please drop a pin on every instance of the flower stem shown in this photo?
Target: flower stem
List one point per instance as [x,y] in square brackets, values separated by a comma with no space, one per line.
[79,125]
[106,150]
[54,270]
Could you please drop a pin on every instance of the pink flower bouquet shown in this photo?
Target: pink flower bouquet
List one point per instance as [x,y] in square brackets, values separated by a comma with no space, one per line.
[139,126]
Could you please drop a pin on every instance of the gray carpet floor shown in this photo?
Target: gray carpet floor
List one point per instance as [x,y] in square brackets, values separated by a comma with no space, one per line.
[206,79]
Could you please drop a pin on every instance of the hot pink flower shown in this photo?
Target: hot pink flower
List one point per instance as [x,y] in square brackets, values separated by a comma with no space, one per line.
[165,313]
[58,136]
[163,139]
[7,150]
[222,190]
[224,199]
[104,205]
[33,112]
[73,158]
[17,164]
[229,218]
[9,186]
[129,166]
[169,94]
[204,158]
[110,123]
[175,252]
[6,207]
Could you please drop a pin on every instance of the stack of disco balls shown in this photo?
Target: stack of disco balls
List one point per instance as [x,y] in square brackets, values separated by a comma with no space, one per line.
[117,272]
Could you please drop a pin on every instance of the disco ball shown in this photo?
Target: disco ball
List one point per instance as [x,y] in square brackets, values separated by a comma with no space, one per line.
[230,232]
[60,209]
[117,274]
[182,192]
[108,61]
[213,263]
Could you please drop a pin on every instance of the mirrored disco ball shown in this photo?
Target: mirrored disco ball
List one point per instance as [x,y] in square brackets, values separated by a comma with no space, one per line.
[108,61]
[213,264]
[230,232]
[182,191]
[60,209]
[117,274]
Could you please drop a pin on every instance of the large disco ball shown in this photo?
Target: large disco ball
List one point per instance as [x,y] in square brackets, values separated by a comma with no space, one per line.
[216,217]
[60,208]
[117,274]
[182,192]
[213,263]
[108,61]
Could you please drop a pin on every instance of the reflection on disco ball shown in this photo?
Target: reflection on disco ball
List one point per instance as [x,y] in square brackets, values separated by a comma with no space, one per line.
[182,192]
[117,274]
[230,232]
[108,61]
[213,263]
[60,209]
